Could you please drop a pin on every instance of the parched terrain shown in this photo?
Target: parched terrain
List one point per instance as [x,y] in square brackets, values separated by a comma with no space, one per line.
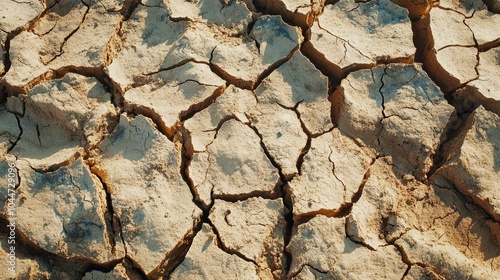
[240,139]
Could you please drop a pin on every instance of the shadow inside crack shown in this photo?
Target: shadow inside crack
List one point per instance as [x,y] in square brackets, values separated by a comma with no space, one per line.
[469,211]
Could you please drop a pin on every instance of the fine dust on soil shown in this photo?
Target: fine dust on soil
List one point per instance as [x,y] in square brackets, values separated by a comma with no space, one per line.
[250,139]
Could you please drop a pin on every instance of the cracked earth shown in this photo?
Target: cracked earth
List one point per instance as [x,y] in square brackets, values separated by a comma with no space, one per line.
[240,139]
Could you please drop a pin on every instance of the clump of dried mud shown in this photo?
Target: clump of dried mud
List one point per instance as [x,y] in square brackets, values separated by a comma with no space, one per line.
[239,139]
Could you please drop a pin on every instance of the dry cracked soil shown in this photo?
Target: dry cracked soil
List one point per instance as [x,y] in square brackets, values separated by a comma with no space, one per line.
[250,139]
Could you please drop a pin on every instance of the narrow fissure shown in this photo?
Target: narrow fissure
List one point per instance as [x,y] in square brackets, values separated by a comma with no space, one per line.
[198,107]
[128,8]
[61,51]
[283,189]
[113,223]
[136,109]
[177,255]
[271,69]
[223,247]
[452,139]
[18,136]
[11,35]
[306,131]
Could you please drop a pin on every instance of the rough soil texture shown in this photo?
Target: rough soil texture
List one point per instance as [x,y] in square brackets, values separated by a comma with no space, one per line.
[240,139]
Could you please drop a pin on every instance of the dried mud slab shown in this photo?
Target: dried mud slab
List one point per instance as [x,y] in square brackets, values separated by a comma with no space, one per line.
[321,247]
[349,36]
[308,98]
[13,16]
[209,32]
[282,135]
[486,86]
[233,103]
[174,93]
[458,33]
[253,228]
[205,260]
[6,163]
[152,204]
[474,161]
[397,110]
[118,273]
[71,203]
[331,174]
[75,108]
[463,234]
[273,41]
[10,130]
[230,165]
[284,120]
[28,268]
[392,209]
[58,40]
[383,220]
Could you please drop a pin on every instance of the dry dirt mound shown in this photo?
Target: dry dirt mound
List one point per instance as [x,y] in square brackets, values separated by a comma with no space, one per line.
[239,139]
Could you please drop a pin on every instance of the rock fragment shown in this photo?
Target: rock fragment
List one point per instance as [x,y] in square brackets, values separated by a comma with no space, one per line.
[205,260]
[396,109]
[253,228]
[141,170]
[349,35]
[474,163]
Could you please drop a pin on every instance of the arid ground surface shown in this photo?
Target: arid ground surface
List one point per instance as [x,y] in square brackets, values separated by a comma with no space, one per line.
[239,139]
